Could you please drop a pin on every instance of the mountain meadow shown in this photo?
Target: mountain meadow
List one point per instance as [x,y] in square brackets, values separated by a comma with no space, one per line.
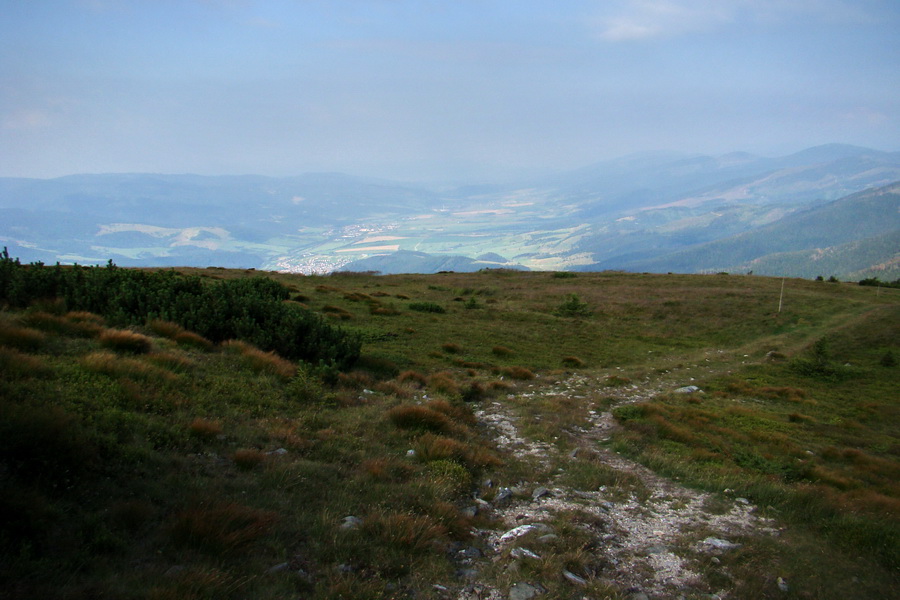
[200,433]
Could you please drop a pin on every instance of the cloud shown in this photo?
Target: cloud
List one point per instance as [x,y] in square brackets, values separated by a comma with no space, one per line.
[634,20]
[644,19]
[29,118]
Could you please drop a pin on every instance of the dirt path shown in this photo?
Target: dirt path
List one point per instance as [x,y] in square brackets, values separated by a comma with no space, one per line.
[652,537]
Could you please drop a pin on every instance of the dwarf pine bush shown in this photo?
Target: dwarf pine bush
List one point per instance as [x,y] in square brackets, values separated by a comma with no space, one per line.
[251,309]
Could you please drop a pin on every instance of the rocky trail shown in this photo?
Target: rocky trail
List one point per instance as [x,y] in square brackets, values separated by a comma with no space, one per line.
[641,537]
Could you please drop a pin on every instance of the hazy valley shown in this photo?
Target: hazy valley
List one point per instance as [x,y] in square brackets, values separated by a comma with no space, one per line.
[799,215]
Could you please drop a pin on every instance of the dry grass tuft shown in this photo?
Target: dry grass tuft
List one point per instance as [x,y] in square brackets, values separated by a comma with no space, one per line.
[179,334]
[337,312]
[502,351]
[205,428]
[573,362]
[389,470]
[517,373]
[108,363]
[271,363]
[413,377]
[18,365]
[19,337]
[260,361]
[220,527]
[171,361]
[451,348]
[125,340]
[403,530]
[431,447]
[392,388]
[460,413]
[248,459]
[443,382]
[417,417]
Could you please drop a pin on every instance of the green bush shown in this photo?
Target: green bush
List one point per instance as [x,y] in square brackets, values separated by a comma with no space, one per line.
[252,309]
[573,307]
[428,307]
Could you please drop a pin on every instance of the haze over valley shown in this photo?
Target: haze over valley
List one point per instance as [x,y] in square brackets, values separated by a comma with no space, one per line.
[829,210]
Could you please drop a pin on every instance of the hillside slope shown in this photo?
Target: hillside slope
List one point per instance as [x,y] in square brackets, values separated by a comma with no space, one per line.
[862,224]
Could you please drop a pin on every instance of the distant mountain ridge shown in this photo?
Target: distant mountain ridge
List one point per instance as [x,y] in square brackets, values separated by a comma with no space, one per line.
[648,212]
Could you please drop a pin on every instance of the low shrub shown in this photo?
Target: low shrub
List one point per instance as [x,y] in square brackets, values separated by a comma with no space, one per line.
[573,307]
[427,307]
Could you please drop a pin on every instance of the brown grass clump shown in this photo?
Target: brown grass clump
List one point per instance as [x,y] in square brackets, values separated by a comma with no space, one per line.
[336,312]
[499,386]
[205,428]
[432,447]
[110,364]
[460,413]
[22,338]
[18,365]
[248,459]
[413,377]
[260,361]
[573,362]
[392,388]
[417,417]
[220,527]
[443,382]
[61,324]
[125,340]
[179,334]
[502,351]
[383,310]
[388,470]
[402,530]
[451,348]
[171,361]
[617,380]
[271,363]
[518,373]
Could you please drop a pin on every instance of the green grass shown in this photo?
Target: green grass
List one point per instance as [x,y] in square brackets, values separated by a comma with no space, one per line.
[154,464]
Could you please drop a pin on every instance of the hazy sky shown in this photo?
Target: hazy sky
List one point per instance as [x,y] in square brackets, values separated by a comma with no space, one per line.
[451,88]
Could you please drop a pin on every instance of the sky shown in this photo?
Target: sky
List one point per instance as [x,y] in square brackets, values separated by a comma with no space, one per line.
[441,90]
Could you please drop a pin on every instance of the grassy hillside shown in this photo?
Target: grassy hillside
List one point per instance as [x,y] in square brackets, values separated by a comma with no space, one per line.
[142,460]
[863,217]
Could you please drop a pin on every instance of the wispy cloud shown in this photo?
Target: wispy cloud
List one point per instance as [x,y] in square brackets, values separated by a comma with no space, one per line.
[28,118]
[632,20]
[644,19]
